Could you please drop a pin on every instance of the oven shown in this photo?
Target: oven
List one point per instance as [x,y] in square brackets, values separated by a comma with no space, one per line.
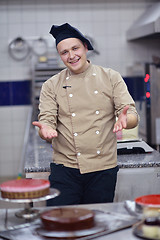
[149,106]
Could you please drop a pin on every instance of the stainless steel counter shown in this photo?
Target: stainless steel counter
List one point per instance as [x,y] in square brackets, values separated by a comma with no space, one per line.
[112,209]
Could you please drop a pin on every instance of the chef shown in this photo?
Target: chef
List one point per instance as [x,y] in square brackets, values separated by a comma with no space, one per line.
[78,110]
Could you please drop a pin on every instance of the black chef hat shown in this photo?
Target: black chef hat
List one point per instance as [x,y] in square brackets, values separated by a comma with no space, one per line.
[67,31]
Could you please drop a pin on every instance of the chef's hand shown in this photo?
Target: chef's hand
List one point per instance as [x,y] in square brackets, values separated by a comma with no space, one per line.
[45,132]
[122,120]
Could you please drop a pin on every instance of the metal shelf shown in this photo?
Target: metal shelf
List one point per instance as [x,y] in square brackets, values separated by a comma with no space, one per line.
[40,73]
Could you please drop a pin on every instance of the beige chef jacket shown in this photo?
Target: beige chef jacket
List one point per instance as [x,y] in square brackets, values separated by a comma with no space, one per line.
[83,109]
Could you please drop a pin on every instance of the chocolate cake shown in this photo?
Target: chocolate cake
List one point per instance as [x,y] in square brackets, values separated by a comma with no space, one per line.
[67,219]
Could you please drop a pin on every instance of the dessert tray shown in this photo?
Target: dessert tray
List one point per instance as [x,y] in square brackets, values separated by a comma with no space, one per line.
[29,212]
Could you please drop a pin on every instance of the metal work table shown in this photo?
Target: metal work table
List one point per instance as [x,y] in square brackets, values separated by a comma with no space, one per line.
[113,209]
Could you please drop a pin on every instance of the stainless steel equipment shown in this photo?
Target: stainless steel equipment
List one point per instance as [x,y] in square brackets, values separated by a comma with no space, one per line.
[41,71]
[147,25]
[149,107]
[133,146]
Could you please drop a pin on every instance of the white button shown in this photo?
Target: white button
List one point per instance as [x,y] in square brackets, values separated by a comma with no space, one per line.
[97,132]
[78,154]
[97,112]
[70,95]
[75,134]
[96,92]
[94,74]
[73,114]
[67,78]
[98,152]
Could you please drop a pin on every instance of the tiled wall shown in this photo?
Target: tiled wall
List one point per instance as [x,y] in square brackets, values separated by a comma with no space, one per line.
[13,120]
[106,21]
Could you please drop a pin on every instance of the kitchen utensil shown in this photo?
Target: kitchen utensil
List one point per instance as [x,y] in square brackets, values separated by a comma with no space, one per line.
[19,49]
[131,208]
[40,47]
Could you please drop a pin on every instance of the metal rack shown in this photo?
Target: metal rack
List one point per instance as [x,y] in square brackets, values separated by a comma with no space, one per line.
[40,73]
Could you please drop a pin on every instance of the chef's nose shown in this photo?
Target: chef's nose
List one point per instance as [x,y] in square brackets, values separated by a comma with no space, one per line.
[71,54]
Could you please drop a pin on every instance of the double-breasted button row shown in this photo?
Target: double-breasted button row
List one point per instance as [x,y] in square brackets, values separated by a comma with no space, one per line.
[71,95]
[73,115]
[97,112]
[79,154]
[94,74]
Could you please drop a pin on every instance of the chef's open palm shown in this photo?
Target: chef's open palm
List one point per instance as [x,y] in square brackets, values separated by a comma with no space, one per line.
[122,120]
[45,131]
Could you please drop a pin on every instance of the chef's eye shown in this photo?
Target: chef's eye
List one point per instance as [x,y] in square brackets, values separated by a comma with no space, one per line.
[63,53]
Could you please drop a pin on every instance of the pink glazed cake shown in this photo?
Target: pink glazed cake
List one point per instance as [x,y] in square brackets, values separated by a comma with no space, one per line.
[25,188]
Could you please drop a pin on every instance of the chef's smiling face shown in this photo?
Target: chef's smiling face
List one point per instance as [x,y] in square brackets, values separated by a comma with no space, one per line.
[73,54]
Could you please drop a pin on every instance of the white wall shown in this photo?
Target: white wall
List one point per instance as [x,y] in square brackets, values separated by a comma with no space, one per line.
[106,21]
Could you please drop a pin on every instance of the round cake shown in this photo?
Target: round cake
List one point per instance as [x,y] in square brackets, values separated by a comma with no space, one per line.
[67,219]
[25,188]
